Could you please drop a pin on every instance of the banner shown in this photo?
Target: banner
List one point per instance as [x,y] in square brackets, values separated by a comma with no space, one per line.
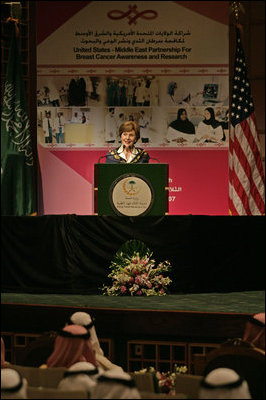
[163,64]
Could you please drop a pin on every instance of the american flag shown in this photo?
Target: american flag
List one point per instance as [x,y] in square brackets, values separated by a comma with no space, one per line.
[246,175]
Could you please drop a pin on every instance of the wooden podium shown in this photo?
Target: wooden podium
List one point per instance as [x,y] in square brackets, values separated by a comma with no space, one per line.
[131,189]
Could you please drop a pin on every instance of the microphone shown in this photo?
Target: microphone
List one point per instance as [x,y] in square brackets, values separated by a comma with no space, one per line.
[124,146]
[108,155]
[100,158]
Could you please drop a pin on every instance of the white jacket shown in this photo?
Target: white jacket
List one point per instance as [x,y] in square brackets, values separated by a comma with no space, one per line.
[214,134]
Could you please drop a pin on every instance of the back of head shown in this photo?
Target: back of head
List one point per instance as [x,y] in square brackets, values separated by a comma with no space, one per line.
[84,366]
[84,319]
[223,383]
[114,384]
[80,376]
[80,318]
[260,317]
[255,331]
[69,347]
[13,386]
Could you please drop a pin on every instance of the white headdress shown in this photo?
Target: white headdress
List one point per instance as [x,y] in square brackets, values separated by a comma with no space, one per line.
[223,383]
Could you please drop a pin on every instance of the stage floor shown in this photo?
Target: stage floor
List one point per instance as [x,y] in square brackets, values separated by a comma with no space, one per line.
[233,302]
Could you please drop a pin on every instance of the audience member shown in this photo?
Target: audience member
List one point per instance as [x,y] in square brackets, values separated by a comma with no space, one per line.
[72,345]
[223,383]
[85,320]
[13,386]
[3,353]
[255,331]
[80,376]
[4,363]
[114,384]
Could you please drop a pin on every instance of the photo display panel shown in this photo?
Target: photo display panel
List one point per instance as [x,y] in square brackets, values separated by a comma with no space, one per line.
[159,63]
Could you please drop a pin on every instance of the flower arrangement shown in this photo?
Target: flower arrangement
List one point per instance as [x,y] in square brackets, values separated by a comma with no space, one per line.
[134,272]
[164,381]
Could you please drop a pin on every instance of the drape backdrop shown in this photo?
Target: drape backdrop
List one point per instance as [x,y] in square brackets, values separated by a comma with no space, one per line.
[72,254]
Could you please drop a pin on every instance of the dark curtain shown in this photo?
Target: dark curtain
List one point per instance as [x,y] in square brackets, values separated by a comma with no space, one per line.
[72,254]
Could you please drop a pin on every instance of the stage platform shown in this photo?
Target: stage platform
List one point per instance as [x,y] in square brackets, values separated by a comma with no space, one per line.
[233,302]
[201,320]
[202,316]
[55,265]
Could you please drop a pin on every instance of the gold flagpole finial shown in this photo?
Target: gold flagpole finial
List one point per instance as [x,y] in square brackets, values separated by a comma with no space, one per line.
[13,10]
[16,22]
[236,7]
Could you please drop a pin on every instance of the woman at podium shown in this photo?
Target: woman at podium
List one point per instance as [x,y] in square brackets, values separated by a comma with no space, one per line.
[129,133]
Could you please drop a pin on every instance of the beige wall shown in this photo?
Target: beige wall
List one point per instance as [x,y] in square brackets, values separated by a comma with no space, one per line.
[253,22]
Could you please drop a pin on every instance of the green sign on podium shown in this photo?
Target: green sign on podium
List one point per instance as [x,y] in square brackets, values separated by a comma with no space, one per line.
[131,189]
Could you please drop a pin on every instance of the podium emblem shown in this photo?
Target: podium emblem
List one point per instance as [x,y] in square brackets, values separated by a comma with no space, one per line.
[131,195]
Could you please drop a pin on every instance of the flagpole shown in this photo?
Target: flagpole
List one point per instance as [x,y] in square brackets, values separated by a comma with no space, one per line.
[237,8]
[15,21]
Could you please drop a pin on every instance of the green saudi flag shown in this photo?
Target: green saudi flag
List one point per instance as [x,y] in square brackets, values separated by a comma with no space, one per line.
[18,189]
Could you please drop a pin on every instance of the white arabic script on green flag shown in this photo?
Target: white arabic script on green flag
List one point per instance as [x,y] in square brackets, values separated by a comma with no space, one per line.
[18,188]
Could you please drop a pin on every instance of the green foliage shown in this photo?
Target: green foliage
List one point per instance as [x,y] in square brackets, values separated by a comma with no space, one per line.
[128,250]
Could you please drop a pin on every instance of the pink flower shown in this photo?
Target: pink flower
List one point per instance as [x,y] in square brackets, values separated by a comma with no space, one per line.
[149,285]
[135,272]
[139,292]
[158,375]
[162,290]
[131,280]
[137,281]
[123,289]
